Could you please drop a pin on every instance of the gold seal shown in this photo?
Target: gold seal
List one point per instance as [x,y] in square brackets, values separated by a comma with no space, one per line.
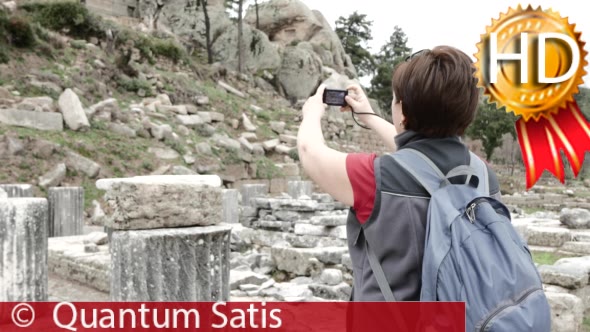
[522,81]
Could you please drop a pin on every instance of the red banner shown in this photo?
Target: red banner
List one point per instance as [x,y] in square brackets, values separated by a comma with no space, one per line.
[232,316]
[541,142]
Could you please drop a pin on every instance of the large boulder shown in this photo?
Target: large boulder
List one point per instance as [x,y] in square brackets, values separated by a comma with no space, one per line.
[300,71]
[290,21]
[575,218]
[328,46]
[284,21]
[259,53]
[72,111]
[336,80]
[567,312]
[183,18]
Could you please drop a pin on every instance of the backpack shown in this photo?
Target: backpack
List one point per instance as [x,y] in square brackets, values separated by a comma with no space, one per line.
[472,252]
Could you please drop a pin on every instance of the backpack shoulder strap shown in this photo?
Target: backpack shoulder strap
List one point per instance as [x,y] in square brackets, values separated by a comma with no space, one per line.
[421,168]
[385,288]
[482,169]
[379,274]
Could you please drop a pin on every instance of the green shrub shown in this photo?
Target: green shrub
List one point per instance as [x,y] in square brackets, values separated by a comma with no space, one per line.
[147,166]
[44,49]
[71,16]
[135,84]
[3,23]
[264,115]
[176,145]
[266,169]
[294,154]
[151,46]
[20,32]
[143,44]
[78,44]
[40,32]
[4,58]
[168,49]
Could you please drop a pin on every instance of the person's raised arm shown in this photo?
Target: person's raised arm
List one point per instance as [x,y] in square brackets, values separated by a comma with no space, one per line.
[359,102]
[325,166]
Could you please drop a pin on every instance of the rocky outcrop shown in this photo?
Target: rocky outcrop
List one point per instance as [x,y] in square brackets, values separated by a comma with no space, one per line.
[290,21]
[300,72]
[290,40]
[285,21]
[259,53]
[329,47]
[184,19]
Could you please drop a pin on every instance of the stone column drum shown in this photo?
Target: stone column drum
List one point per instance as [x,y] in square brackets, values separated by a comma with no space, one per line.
[249,191]
[167,244]
[231,206]
[17,190]
[23,249]
[297,189]
[66,211]
[171,264]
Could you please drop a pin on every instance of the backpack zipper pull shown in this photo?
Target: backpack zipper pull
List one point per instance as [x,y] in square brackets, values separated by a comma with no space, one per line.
[470,212]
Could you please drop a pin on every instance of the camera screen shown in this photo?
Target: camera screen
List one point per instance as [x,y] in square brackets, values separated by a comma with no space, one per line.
[335,97]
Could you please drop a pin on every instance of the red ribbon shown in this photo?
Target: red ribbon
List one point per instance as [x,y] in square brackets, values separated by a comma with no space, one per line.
[541,141]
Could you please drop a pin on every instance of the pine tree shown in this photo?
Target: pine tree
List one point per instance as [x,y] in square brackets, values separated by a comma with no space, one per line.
[207,33]
[238,7]
[390,55]
[490,125]
[354,33]
[257,16]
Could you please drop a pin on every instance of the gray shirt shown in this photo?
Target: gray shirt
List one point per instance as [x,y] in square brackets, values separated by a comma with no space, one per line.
[396,227]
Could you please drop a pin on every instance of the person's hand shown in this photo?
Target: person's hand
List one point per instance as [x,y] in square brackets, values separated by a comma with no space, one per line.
[314,106]
[357,101]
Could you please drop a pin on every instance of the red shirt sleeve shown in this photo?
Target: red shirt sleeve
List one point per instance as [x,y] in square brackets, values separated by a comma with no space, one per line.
[361,174]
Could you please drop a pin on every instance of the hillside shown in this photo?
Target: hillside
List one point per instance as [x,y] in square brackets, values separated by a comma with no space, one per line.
[123,102]
[137,104]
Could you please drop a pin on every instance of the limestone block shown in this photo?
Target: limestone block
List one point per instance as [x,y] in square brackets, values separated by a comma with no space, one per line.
[146,204]
[547,236]
[306,261]
[567,312]
[31,119]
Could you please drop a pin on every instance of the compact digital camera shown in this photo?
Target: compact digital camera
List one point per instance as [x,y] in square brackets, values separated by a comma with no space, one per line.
[335,97]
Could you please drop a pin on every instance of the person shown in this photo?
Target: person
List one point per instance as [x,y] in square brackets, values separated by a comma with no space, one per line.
[435,98]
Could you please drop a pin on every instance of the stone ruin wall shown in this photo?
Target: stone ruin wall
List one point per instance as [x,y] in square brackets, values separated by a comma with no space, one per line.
[290,247]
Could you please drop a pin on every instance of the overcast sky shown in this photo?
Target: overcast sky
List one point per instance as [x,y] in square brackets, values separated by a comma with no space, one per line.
[431,23]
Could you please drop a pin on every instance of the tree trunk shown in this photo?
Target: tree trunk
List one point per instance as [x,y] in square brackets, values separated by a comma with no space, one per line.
[207,32]
[157,16]
[512,158]
[240,35]
[257,17]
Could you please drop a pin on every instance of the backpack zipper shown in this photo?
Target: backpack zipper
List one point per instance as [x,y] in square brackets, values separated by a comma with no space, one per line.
[502,308]
[470,211]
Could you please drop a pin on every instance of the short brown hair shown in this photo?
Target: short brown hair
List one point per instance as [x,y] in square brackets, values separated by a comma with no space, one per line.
[438,91]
